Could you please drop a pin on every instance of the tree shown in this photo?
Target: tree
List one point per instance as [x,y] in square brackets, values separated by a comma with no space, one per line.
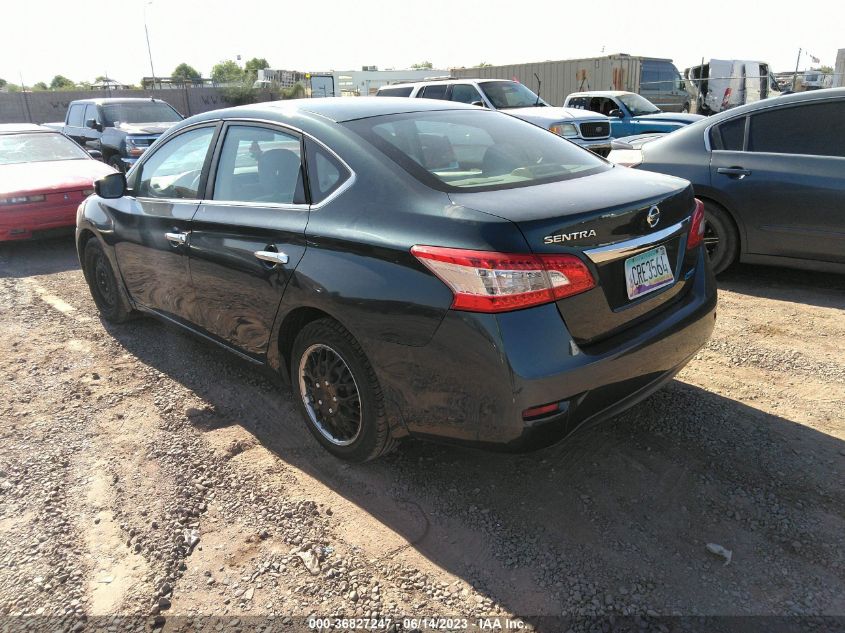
[422,66]
[101,79]
[184,72]
[482,65]
[3,82]
[255,64]
[227,72]
[827,70]
[60,82]
[41,86]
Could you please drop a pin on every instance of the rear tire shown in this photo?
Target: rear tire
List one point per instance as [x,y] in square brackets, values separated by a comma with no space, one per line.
[337,393]
[721,238]
[105,286]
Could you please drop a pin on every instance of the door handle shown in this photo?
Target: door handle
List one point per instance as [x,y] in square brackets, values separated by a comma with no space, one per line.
[734,172]
[176,239]
[272,256]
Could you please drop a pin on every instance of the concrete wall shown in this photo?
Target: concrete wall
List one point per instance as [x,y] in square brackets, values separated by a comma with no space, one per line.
[48,107]
[839,72]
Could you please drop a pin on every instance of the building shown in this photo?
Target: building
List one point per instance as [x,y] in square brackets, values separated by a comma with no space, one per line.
[346,83]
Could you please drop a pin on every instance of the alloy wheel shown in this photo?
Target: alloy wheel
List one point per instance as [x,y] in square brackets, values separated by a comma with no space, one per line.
[330,394]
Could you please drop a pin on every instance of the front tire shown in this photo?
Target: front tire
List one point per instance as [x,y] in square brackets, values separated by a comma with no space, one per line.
[104,284]
[720,237]
[337,393]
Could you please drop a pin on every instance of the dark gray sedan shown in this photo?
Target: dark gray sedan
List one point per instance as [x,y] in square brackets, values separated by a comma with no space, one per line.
[771,175]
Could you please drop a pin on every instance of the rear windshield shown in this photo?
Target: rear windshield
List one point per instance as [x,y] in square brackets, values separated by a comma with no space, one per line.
[395,92]
[476,150]
[38,148]
[151,112]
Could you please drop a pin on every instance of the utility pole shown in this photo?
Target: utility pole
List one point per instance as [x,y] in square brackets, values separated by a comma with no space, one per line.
[149,51]
[795,76]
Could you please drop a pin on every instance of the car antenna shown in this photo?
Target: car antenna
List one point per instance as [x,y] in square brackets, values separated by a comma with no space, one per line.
[539,84]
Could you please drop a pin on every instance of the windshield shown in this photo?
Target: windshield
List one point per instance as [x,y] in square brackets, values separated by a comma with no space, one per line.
[475,150]
[144,112]
[510,94]
[638,105]
[38,148]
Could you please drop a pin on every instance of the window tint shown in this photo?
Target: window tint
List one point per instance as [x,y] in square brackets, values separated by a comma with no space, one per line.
[465,93]
[325,172]
[475,150]
[650,78]
[258,164]
[815,129]
[434,92]
[395,92]
[174,170]
[729,136]
[577,102]
[75,115]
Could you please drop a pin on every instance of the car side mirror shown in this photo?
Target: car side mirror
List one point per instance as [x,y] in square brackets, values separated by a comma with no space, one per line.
[95,153]
[616,112]
[111,186]
[92,123]
[480,104]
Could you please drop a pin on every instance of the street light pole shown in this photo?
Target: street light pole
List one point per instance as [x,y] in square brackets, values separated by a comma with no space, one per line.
[149,51]
[795,76]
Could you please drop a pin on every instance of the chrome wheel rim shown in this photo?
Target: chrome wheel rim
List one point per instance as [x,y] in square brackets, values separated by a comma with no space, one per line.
[330,394]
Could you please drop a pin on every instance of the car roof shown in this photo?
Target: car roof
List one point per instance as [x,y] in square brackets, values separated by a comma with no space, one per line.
[796,97]
[450,80]
[336,109]
[18,128]
[601,93]
[107,100]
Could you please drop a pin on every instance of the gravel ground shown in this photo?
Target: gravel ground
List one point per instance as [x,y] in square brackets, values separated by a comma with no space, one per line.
[149,478]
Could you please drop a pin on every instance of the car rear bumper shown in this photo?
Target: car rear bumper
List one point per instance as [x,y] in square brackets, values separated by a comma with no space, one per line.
[480,372]
[22,223]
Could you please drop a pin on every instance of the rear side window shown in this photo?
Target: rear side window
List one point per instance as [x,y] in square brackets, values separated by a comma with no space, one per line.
[816,129]
[75,115]
[394,92]
[258,164]
[729,136]
[434,92]
[325,172]
[577,102]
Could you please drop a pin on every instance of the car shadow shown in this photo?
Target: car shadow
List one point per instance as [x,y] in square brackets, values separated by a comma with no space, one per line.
[825,290]
[619,513]
[29,258]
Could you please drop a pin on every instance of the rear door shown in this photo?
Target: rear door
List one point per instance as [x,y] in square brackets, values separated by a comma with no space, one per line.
[248,235]
[75,124]
[91,135]
[151,222]
[787,182]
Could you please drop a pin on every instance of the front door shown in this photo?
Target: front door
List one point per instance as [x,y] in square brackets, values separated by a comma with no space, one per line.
[248,235]
[151,223]
[787,183]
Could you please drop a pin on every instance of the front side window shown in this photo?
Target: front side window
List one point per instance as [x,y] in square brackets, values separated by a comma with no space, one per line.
[91,114]
[729,136]
[465,93]
[259,164]
[815,129]
[175,169]
[510,94]
[37,148]
[479,150]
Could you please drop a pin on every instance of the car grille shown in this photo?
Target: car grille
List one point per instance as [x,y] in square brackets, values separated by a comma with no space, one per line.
[597,129]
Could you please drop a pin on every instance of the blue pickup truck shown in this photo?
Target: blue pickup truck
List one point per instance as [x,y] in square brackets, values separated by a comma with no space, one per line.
[629,113]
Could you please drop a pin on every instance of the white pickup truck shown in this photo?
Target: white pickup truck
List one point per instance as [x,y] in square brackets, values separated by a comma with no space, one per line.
[587,129]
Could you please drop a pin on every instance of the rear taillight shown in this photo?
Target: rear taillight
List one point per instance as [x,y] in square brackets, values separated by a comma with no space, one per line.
[484,281]
[696,229]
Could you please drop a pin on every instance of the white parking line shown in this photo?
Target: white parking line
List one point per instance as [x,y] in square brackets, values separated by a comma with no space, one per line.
[55,302]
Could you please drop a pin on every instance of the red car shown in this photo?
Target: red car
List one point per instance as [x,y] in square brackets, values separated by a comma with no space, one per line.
[43,177]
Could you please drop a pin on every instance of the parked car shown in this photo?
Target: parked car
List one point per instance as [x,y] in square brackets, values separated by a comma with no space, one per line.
[121,129]
[722,84]
[630,113]
[411,267]
[43,177]
[770,175]
[591,131]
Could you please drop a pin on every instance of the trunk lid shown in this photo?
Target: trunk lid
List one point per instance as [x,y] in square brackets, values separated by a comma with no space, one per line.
[603,219]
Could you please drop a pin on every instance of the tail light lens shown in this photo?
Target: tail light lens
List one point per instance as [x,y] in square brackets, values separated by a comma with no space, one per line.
[696,231]
[484,281]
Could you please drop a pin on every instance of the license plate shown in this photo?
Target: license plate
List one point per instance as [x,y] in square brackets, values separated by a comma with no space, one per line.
[647,272]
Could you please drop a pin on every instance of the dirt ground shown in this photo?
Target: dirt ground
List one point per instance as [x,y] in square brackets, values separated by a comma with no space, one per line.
[146,473]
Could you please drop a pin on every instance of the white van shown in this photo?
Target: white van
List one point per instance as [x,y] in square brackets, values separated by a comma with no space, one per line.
[721,84]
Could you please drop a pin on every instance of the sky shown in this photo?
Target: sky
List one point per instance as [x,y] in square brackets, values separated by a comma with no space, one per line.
[82,39]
